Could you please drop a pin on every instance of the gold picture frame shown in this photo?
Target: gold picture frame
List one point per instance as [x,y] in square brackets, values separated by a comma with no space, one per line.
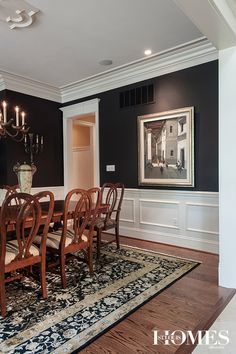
[166,148]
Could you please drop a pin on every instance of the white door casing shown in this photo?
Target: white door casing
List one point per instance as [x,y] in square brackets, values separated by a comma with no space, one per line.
[69,113]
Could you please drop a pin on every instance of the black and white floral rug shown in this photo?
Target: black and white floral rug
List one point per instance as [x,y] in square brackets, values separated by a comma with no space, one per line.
[69,319]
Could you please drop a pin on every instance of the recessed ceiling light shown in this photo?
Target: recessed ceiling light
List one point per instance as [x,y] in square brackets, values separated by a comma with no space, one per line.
[148,52]
[105,62]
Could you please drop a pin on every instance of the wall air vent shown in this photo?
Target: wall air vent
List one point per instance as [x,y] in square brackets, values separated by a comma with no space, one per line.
[137,96]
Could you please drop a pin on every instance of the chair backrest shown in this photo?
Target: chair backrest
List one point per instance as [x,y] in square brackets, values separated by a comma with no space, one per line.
[46,213]
[79,203]
[10,190]
[120,195]
[109,197]
[26,215]
[114,197]
[96,197]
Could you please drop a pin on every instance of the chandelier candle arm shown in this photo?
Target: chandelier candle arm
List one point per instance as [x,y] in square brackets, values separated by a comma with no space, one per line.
[17,116]
[23,118]
[15,131]
[4,104]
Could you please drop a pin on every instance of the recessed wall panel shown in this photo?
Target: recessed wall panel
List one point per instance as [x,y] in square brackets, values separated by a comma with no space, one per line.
[159,213]
[202,218]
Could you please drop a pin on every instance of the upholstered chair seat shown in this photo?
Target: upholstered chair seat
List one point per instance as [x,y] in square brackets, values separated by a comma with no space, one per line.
[101,222]
[109,223]
[12,250]
[54,239]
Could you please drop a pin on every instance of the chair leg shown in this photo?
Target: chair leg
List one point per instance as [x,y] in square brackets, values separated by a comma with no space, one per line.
[99,237]
[90,260]
[43,278]
[3,303]
[62,271]
[117,236]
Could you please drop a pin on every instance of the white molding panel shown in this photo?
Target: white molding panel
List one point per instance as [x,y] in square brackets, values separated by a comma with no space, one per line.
[58,192]
[203,218]
[160,213]
[128,210]
[182,218]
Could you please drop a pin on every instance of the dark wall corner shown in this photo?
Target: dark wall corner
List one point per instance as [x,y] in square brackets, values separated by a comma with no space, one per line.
[44,118]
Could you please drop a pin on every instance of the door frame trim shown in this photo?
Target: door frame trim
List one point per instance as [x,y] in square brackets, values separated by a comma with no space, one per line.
[72,112]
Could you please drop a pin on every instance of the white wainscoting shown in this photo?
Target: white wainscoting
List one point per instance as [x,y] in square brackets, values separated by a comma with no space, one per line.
[181,218]
[57,191]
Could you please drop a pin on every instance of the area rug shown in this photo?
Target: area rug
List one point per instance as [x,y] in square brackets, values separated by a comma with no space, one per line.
[70,319]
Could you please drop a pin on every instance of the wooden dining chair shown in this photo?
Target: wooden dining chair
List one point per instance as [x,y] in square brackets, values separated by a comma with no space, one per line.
[20,253]
[10,190]
[72,237]
[112,195]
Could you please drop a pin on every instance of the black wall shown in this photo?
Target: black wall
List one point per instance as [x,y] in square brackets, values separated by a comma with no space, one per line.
[44,118]
[196,86]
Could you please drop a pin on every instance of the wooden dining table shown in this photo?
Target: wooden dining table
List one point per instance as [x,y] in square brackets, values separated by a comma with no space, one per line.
[57,214]
[58,209]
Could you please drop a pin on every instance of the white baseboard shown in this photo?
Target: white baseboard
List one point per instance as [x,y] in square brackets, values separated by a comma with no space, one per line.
[171,239]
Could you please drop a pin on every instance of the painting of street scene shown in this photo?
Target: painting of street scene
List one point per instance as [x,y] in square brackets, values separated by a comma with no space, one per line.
[166,148]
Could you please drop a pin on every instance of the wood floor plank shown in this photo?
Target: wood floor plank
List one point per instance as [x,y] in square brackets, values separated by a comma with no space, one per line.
[191,303]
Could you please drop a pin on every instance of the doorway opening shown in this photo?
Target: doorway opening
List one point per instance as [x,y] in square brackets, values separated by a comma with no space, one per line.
[81,145]
[82,151]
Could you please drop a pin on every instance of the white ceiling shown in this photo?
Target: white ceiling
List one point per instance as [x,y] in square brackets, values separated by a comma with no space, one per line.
[69,38]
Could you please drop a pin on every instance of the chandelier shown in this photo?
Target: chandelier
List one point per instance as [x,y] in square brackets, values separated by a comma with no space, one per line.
[16,128]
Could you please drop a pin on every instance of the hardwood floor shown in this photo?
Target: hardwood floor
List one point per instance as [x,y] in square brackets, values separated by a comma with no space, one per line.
[191,303]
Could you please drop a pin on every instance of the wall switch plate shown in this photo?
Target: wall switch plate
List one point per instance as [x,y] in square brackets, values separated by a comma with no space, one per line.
[110,168]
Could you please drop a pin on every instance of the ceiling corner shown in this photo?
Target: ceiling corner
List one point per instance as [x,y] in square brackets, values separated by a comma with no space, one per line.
[2,83]
[216,19]
[13,82]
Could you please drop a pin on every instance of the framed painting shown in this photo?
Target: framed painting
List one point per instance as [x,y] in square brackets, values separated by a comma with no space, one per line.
[166,148]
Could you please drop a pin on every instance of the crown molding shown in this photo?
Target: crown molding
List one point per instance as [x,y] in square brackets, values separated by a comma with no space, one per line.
[181,57]
[13,82]
[2,84]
